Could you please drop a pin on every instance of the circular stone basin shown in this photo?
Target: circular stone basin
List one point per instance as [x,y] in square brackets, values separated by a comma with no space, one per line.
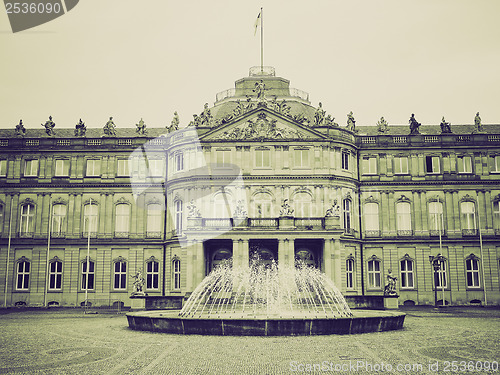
[169,321]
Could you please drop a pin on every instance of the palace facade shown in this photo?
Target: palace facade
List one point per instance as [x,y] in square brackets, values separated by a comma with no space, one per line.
[261,172]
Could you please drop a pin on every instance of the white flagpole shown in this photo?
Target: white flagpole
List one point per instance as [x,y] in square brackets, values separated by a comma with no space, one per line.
[89,228]
[261,40]
[440,226]
[47,281]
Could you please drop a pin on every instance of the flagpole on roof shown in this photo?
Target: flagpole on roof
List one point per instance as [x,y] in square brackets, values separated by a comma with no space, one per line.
[261,40]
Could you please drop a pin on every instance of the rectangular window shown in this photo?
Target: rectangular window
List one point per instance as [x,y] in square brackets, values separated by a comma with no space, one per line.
[152,275]
[464,164]
[370,166]
[406,273]
[262,158]
[93,168]
[374,274]
[122,167]
[62,168]
[120,275]
[223,157]
[301,158]
[27,220]
[497,164]
[3,168]
[55,275]
[496,217]
[349,267]
[88,275]
[23,275]
[90,218]
[345,160]
[156,168]
[58,219]
[401,165]
[440,279]
[178,162]
[153,223]
[31,168]
[472,269]
[178,217]
[432,164]
[122,220]
[176,274]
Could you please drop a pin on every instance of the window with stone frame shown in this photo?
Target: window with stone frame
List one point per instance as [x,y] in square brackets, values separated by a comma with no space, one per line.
[303,206]
[223,158]
[349,271]
[27,222]
[55,274]
[31,168]
[464,164]
[262,158]
[345,160]
[374,274]
[370,165]
[496,215]
[403,218]
[301,158]
[122,220]
[93,168]
[61,168]
[58,219]
[468,217]
[179,216]
[472,271]
[401,165]
[176,274]
[154,220]
[90,219]
[440,277]
[23,267]
[88,275]
[120,274]
[372,219]
[432,164]
[436,218]
[3,167]
[407,273]
[496,164]
[152,274]
[122,167]
[178,162]
[346,209]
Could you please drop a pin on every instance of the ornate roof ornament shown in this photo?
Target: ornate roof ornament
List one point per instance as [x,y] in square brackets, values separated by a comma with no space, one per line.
[110,128]
[445,126]
[49,126]
[414,125]
[477,123]
[351,122]
[141,127]
[193,211]
[80,129]
[382,125]
[174,125]
[20,129]
[260,90]
[319,115]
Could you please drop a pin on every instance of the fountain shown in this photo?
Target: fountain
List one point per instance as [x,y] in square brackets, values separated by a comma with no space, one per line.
[265,299]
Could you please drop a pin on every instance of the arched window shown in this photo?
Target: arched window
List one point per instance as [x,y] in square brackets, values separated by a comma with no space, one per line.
[178,216]
[88,273]
[374,275]
[23,274]
[263,205]
[154,220]
[222,205]
[372,226]
[403,218]
[305,257]
[176,274]
[27,223]
[472,271]
[90,218]
[221,256]
[152,274]
[303,205]
[407,273]
[120,274]
[346,205]
[436,224]
[468,213]
[55,275]
[349,271]
[122,220]
[58,219]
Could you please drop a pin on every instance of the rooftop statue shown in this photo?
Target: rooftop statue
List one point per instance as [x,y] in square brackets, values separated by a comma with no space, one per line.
[477,122]
[414,125]
[174,125]
[351,123]
[20,129]
[329,121]
[80,129]
[110,128]
[260,89]
[445,126]
[319,116]
[49,126]
[382,125]
[206,117]
[141,128]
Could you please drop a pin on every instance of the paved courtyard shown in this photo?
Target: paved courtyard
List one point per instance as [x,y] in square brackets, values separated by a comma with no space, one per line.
[66,341]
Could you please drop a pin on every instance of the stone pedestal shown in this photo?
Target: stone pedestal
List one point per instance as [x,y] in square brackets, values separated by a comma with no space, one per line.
[332,222]
[138,302]
[194,222]
[391,302]
[286,222]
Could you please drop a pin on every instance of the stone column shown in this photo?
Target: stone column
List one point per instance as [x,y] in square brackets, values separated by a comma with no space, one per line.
[281,251]
[71,219]
[244,251]
[102,215]
[109,210]
[425,213]
[46,214]
[384,210]
[78,224]
[456,213]
[289,252]
[198,263]
[488,213]
[337,263]
[39,212]
[392,214]
[417,213]
[481,210]
[190,273]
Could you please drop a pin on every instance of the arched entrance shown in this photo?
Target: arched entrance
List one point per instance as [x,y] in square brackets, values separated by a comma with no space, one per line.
[264,252]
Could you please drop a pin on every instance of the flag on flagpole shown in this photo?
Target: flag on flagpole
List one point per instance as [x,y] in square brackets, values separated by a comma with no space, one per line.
[257,23]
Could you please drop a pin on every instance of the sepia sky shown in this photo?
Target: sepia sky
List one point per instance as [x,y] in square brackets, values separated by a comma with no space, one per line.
[131,59]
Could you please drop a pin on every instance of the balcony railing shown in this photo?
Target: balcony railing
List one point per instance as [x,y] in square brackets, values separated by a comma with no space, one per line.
[153,234]
[217,223]
[58,234]
[435,232]
[121,234]
[469,232]
[310,222]
[372,233]
[349,231]
[405,233]
[26,234]
[497,232]
[263,222]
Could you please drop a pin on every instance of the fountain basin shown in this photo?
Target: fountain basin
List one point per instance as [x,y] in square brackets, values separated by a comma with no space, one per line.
[169,321]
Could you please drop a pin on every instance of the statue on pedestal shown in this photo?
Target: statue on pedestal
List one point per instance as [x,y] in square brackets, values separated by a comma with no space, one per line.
[80,129]
[286,209]
[141,128]
[110,128]
[477,122]
[334,210]
[445,126]
[138,284]
[382,125]
[174,125]
[414,125]
[351,122]
[260,89]
[20,129]
[390,285]
[49,126]
[319,116]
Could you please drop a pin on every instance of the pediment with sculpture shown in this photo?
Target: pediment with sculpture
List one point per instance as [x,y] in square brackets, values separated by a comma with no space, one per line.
[263,126]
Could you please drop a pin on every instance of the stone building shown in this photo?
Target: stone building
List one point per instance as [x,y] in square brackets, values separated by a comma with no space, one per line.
[261,172]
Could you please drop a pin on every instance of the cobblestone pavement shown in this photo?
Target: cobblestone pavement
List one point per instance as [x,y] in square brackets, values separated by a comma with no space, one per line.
[67,341]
